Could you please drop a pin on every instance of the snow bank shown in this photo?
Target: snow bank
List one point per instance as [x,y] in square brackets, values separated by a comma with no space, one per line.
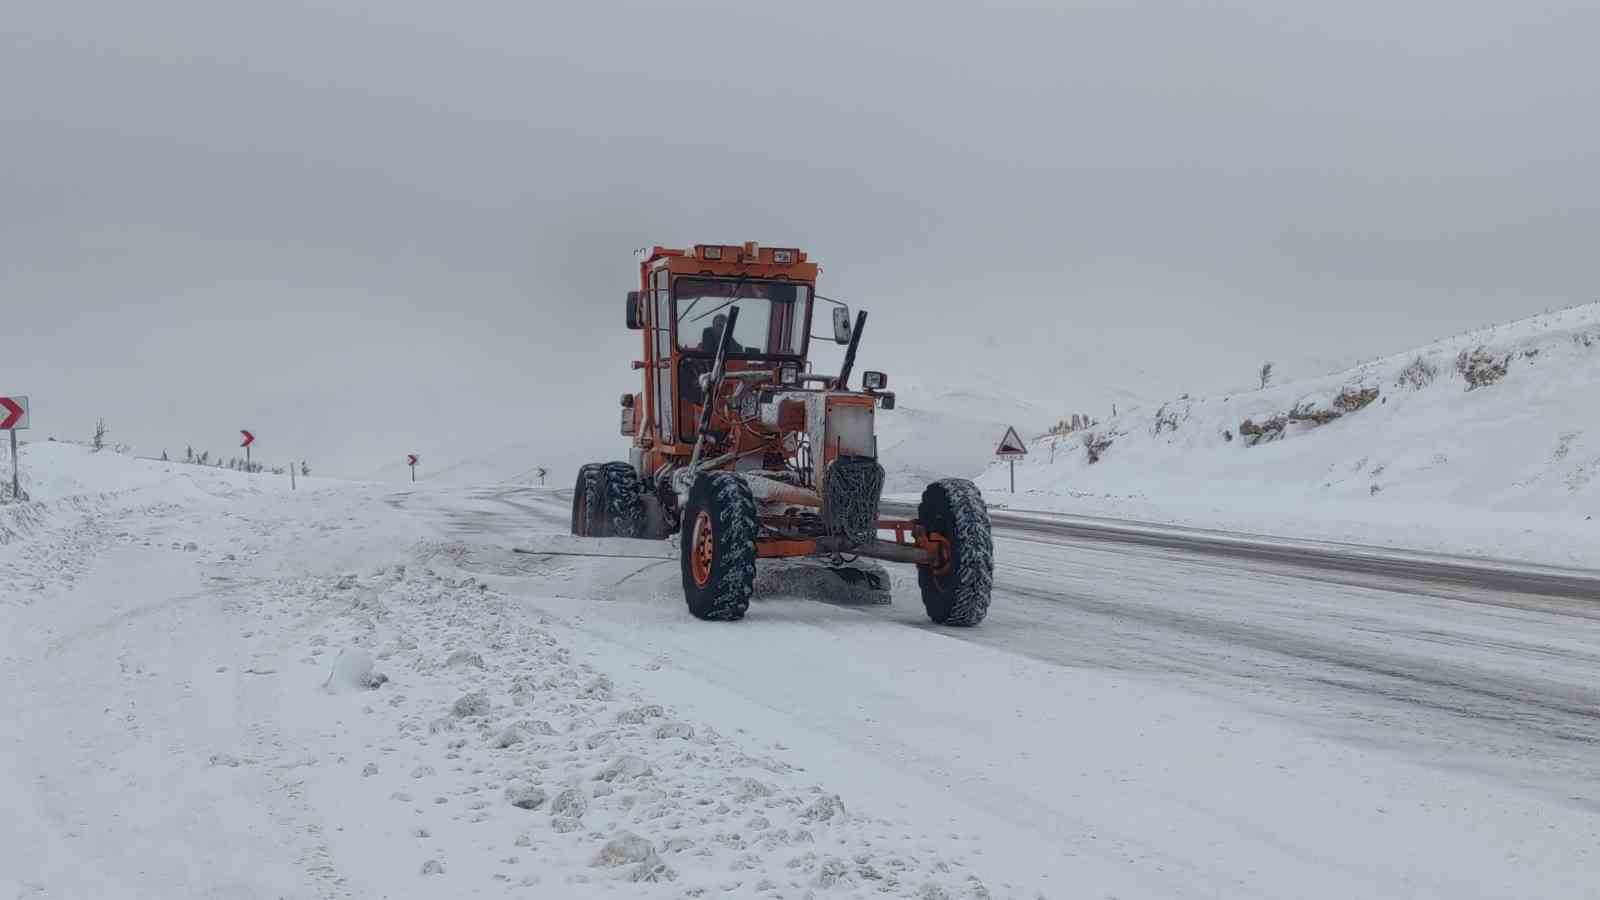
[1488,442]
[262,693]
[55,470]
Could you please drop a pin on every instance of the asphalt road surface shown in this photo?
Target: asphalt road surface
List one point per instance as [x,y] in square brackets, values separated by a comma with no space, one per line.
[1476,665]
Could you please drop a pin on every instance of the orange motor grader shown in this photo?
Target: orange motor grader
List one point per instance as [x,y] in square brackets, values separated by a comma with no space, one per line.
[744,452]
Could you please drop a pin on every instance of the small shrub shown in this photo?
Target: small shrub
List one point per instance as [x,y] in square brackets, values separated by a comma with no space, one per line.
[1353,398]
[1418,374]
[1480,367]
[100,432]
[1166,420]
[1095,445]
[1077,422]
[1305,412]
[1265,432]
[1266,375]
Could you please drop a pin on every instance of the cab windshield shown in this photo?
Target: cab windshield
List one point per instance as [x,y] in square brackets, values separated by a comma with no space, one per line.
[771,315]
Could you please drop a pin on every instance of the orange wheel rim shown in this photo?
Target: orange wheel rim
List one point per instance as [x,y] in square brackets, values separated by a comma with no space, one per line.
[702,550]
[943,559]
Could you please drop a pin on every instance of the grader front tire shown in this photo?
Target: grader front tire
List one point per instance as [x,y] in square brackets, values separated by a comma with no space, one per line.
[718,547]
[956,589]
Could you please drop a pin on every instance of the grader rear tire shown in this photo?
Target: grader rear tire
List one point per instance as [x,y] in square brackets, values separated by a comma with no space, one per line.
[621,501]
[585,500]
[956,591]
[718,547]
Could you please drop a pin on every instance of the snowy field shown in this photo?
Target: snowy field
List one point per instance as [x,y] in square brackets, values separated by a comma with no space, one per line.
[219,688]
[1506,469]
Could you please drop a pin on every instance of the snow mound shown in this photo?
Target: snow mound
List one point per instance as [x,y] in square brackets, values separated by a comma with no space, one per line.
[353,670]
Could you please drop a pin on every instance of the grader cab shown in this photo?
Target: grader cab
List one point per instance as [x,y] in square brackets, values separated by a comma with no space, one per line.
[744,452]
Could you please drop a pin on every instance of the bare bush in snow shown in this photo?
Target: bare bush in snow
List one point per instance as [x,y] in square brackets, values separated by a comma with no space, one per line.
[1418,374]
[100,432]
[1264,432]
[1266,375]
[1352,398]
[1307,412]
[1077,422]
[1095,445]
[1166,420]
[1480,367]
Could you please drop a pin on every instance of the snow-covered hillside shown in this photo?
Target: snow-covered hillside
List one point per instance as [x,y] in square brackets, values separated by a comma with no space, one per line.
[1504,468]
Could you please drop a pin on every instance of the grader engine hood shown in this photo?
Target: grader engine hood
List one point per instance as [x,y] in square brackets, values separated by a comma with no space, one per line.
[835,423]
[841,456]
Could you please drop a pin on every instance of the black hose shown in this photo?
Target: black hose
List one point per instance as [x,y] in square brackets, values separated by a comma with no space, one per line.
[715,385]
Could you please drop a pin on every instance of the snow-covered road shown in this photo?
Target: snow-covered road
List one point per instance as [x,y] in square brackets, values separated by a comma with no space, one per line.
[1409,652]
[1186,717]
[193,709]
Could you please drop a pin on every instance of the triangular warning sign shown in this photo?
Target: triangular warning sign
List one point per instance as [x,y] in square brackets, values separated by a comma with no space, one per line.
[1011,445]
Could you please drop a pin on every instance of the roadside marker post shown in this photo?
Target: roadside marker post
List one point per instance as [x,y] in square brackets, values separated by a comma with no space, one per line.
[1011,447]
[14,418]
[248,440]
[411,460]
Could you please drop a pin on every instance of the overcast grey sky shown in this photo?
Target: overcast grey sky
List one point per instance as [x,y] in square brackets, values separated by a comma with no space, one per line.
[369,228]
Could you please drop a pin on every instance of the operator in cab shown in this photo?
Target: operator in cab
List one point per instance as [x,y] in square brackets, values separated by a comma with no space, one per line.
[712,336]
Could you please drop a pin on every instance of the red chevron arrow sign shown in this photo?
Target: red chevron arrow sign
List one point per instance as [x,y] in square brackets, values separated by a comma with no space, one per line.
[13,413]
[248,438]
[411,459]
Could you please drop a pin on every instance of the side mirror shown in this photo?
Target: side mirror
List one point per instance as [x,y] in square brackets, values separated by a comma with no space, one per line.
[634,323]
[841,324]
